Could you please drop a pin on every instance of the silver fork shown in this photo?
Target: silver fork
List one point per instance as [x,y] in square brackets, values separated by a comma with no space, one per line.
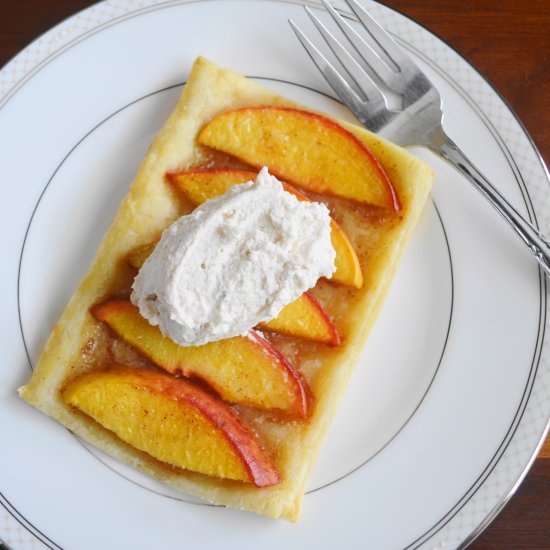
[391,96]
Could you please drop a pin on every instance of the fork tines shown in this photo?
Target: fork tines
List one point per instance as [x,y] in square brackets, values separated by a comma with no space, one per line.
[377,70]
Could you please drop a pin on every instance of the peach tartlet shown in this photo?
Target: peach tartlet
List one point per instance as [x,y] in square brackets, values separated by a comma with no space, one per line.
[238,421]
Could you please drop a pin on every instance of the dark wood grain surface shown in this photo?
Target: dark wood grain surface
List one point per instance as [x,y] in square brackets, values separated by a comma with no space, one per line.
[507,41]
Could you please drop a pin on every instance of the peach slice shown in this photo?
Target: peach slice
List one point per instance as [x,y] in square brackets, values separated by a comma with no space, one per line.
[243,369]
[200,185]
[330,159]
[172,420]
[304,318]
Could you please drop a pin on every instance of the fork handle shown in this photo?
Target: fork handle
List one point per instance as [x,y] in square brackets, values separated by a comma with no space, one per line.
[538,244]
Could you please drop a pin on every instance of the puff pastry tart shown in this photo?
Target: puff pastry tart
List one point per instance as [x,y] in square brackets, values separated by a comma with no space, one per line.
[237,422]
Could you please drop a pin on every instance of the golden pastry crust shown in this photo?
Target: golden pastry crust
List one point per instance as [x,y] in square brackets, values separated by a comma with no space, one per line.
[148,208]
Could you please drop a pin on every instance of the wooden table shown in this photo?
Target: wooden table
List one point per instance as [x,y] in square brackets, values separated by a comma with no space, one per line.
[507,42]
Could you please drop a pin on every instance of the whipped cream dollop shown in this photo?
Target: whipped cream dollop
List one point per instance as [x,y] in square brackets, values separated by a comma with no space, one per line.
[234,262]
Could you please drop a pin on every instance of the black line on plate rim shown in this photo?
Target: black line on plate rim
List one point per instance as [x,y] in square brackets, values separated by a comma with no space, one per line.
[494,461]
[493,131]
[24,522]
[504,500]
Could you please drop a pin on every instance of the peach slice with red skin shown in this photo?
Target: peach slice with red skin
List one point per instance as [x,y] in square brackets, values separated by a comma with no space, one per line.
[245,369]
[199,185]
[304,318]
[173,421]
[330,159]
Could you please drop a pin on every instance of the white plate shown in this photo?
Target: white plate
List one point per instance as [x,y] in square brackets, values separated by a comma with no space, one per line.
[451,399]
